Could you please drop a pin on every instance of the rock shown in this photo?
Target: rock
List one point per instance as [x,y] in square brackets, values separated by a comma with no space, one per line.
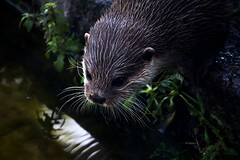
[223,87]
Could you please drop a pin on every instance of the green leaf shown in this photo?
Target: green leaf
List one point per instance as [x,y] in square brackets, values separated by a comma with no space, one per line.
[206,136]
[72,45]
[59,63]
[210,152]
[48,5]
[200,103]
[216,119]
[48,53]
[28,24]
[23,19]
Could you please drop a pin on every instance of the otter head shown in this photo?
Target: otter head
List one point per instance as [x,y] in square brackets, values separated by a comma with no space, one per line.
[116,64]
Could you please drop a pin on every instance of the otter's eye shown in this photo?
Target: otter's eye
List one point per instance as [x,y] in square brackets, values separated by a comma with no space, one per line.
[88,76]
[118,82]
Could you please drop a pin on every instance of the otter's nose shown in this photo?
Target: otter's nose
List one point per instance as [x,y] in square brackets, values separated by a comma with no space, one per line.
[97,99]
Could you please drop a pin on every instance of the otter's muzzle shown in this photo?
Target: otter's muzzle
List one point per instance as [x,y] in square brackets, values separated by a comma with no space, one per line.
[96,98]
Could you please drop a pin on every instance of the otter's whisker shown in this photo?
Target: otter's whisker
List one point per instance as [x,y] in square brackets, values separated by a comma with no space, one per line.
[127,112]
[113,112]
[76,103]
[74,97]
[71,89]
[81,107]
[133,114]
[70,95]
[85,107]
[122,112]
[118,112]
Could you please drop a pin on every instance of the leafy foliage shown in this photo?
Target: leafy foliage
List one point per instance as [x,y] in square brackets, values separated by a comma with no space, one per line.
[162,101]
[59,41]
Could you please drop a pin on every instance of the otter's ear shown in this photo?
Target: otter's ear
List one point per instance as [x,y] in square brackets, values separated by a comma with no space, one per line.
[86,37]
[148,53]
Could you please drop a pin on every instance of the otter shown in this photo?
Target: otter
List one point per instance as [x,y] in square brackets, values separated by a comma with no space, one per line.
[134,40]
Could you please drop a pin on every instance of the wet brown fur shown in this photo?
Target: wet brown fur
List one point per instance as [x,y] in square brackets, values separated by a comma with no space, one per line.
[174,29]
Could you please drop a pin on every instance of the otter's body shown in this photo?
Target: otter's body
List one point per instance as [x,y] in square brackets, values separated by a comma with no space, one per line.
[136,39]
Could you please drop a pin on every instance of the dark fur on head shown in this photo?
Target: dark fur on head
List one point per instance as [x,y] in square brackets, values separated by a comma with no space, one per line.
[135,39]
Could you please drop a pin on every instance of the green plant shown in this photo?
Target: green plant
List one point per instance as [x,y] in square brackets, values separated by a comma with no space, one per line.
[162,101]
[60,43]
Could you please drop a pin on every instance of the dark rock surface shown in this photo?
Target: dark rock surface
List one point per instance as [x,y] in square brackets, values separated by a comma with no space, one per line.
[223,87]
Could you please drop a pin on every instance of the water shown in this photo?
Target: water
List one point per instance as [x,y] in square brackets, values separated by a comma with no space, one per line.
[29,129]
[21,135]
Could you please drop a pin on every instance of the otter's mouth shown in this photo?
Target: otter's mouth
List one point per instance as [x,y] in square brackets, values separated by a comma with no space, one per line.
[98,100]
